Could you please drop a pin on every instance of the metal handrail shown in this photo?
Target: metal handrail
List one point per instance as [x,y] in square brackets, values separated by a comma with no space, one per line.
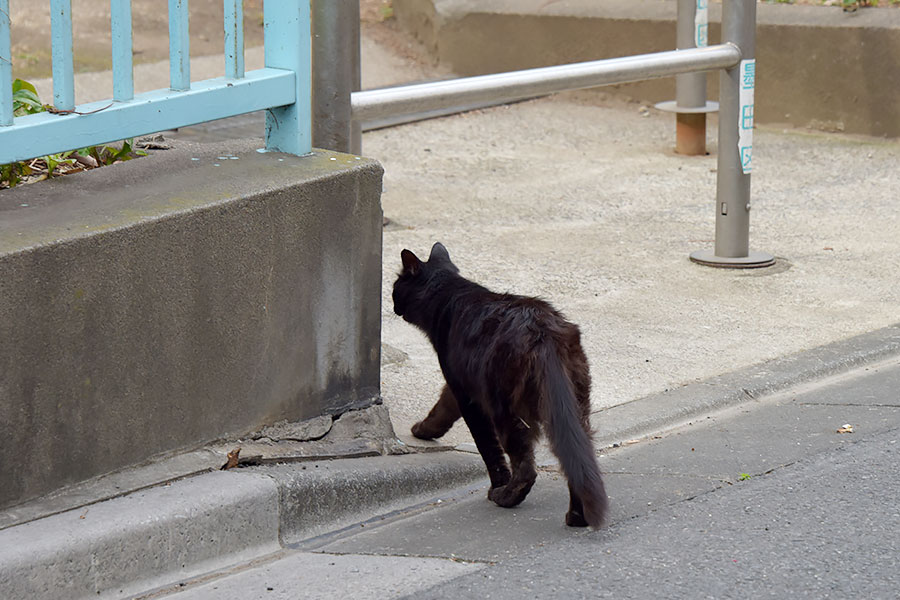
[516,85]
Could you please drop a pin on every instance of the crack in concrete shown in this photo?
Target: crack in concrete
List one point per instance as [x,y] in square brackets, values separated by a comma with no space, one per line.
[855,404]
[452,558]
[669,475]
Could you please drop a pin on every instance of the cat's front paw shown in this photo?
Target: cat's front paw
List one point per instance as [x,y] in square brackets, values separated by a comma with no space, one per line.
[494,493]
[424,431]
[510,495]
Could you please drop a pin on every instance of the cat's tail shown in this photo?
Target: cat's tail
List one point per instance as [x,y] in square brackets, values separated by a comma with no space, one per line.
[571,442]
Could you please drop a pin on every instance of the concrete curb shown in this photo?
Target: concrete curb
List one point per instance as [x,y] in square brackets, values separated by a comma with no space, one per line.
[163,535]
[140,541]
[662,411]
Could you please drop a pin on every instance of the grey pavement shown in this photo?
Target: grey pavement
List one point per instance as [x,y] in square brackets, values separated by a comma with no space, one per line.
[580,199]
[763,499]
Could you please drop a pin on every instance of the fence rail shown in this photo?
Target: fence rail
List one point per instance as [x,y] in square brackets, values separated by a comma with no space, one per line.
[282,88]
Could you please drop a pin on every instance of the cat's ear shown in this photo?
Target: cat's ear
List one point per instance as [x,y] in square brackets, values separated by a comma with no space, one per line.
[411,263]
[439,252]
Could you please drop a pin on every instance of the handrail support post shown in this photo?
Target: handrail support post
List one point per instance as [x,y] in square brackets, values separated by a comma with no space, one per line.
[736,104]
[336,74]
[690,105]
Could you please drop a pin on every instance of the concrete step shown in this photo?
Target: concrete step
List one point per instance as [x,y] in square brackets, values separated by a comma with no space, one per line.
[818,66]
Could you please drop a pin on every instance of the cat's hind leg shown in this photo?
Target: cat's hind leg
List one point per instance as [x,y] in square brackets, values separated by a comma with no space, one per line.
[575,516]
[441,418]
[518,439]
[482,429]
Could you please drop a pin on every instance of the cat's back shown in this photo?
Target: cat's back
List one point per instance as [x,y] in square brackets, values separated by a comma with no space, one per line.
[513,318]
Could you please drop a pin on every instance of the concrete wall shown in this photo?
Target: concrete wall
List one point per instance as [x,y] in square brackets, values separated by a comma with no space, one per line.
[818,66]
[169,301]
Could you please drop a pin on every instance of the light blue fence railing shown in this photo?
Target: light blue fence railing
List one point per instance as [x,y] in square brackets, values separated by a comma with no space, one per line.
[282,87]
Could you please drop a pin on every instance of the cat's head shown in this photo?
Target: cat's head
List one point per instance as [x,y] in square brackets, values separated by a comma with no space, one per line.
[418,279]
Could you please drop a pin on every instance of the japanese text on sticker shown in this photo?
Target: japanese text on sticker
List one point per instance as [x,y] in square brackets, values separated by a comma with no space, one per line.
[701,24]
[745,114]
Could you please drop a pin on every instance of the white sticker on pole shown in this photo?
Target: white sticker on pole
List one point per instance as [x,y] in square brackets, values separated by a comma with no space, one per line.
[745,115]
[701,24]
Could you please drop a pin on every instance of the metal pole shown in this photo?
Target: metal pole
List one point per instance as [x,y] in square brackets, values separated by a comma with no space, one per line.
[736,87]
[336,74]
[515,85]
[690,88]
[690,105]
[355,126]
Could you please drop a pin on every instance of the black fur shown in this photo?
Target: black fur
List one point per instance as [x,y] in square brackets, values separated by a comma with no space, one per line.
[513,366]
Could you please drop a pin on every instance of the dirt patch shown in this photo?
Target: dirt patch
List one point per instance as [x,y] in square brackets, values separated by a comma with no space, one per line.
[375,11]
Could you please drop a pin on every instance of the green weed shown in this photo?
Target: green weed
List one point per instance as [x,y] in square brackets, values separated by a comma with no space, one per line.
[27,102]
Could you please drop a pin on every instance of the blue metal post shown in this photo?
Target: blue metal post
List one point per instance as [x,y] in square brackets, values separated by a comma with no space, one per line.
[6,107]
[62,54]
[288,46]
[179,45]
[234,39]
[123,73]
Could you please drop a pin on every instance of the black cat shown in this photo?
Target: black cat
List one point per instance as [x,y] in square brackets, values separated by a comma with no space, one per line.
[513,366]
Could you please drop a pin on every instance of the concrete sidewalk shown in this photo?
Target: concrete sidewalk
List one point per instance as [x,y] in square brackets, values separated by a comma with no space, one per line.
[579,199]
[585,204]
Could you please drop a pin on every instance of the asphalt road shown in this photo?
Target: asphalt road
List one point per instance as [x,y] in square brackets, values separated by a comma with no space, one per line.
[825,527]
[763,500]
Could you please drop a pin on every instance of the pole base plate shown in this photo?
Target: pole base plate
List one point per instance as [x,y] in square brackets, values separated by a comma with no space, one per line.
[754,260]
[673,106]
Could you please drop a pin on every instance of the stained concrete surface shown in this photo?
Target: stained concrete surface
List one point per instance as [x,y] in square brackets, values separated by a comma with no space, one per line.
[143,315]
